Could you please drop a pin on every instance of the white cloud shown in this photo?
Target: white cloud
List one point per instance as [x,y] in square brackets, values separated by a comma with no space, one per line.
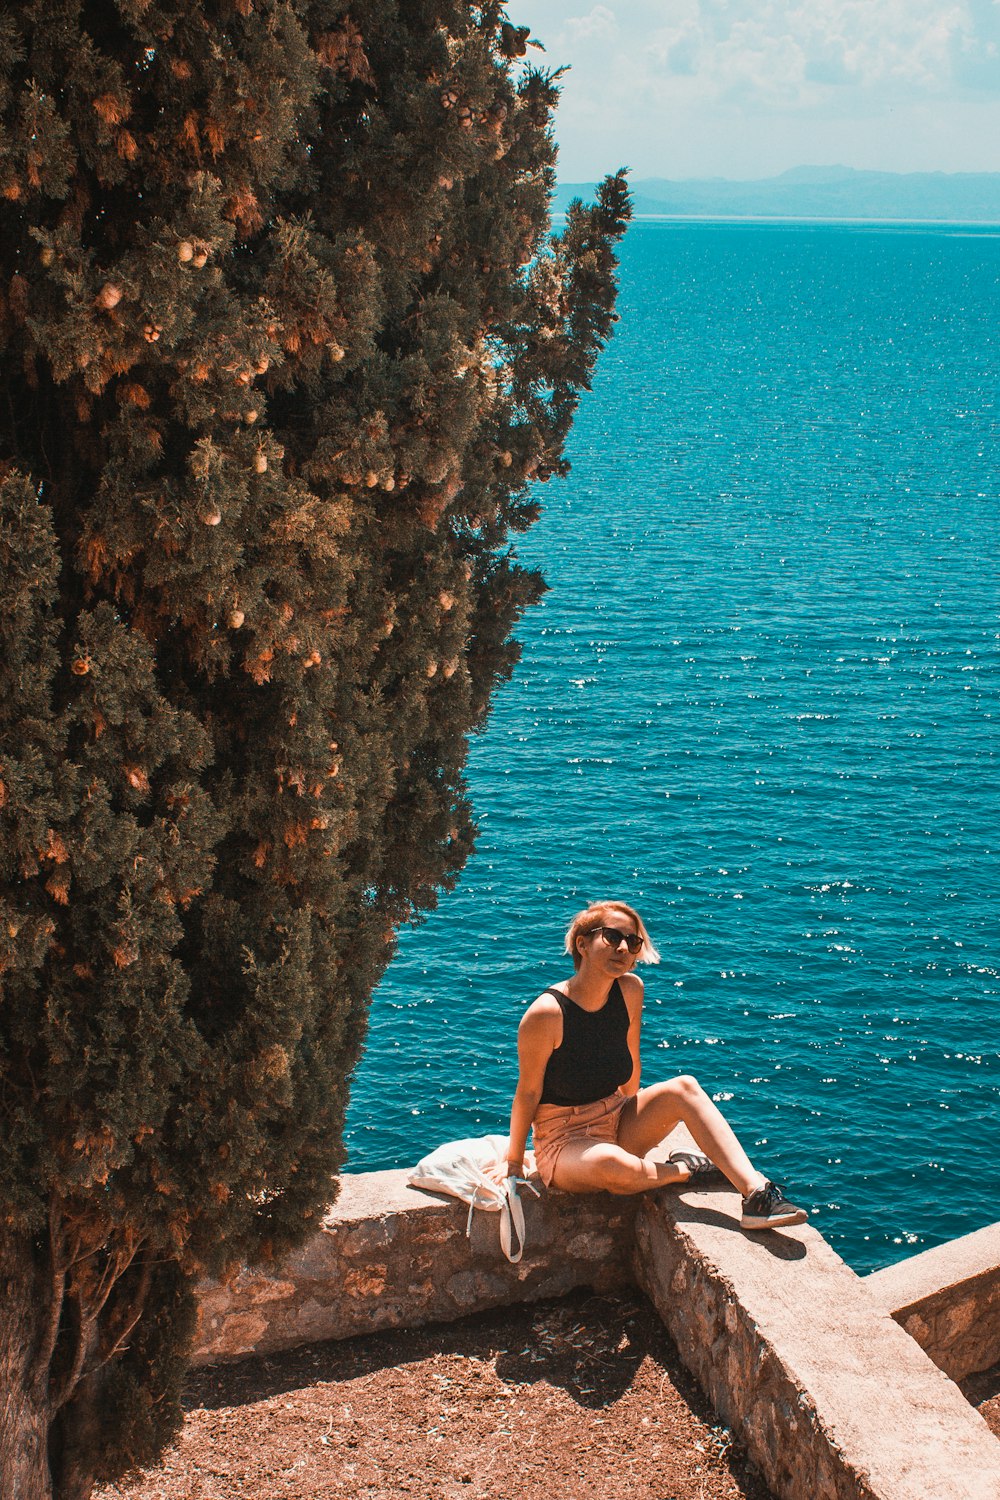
[783,52]
[600,24]
[910,41]
[747,87]
[758,63]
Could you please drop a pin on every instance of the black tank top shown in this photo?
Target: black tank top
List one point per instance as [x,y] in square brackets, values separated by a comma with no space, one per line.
[593,1059]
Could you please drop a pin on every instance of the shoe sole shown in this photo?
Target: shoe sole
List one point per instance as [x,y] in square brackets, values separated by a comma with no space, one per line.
[780,1221]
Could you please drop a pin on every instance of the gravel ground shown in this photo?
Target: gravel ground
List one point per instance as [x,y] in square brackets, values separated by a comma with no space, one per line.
[584,1397]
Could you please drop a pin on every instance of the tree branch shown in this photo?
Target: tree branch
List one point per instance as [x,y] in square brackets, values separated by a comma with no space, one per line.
[88,1311]
[61,1393]
[57,1261]
[135,1310]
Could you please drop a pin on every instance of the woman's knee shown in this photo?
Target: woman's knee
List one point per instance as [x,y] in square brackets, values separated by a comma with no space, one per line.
[684,1086]
[688,1083]
[685,1089]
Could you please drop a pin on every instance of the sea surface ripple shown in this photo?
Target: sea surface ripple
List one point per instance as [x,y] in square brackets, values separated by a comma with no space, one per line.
[760,702]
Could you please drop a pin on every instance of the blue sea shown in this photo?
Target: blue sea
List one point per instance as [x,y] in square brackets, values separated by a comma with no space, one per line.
[760,702]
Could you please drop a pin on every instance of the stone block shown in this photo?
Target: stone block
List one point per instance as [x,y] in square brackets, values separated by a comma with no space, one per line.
[477,1289]
[948,1299]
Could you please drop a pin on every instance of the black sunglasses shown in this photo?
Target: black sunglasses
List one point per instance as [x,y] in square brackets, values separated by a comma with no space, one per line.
[614,938]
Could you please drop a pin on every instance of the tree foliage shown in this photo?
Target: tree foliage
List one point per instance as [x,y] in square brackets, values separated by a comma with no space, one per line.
[287,342]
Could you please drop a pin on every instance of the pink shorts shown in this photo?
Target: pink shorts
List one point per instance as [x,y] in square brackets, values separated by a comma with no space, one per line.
[555,1125]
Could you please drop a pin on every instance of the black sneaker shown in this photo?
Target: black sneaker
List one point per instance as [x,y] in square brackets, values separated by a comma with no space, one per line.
[768,1208]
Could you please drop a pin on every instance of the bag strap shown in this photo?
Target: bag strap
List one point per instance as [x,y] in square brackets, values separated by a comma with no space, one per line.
[511,1222]
[511,1212]
[512,1218]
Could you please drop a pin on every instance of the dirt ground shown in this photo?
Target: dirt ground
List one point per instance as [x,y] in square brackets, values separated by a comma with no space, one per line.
[584,1397]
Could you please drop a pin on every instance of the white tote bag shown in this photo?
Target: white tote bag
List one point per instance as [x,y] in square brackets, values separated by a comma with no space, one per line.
[459,1168]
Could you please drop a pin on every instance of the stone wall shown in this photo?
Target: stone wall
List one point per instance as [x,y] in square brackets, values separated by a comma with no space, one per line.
[948,1299]
[389,1256]
[832,1398]
[798,1354]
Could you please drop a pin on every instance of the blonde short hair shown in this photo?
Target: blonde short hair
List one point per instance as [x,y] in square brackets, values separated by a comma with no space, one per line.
[599,914]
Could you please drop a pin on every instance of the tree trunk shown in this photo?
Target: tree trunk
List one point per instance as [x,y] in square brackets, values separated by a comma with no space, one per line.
[76,1437]
[25,1412]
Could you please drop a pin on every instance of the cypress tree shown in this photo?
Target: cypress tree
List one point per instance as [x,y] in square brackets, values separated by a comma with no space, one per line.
[287,343]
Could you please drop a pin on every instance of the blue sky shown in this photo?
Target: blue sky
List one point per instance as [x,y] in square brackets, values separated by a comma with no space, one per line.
[746,88]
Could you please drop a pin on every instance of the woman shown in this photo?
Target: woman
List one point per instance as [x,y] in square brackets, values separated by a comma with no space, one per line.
[578,1085]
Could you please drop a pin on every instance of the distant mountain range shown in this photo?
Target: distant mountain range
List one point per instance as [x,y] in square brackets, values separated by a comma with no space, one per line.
[816,193]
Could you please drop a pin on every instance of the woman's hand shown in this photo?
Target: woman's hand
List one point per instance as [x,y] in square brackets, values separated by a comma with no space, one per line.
[501,1169]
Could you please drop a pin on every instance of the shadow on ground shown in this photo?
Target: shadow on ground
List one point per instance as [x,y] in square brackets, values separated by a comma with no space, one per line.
[589,1346]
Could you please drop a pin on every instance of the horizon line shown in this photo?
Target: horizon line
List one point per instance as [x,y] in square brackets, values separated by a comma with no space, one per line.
[785,171]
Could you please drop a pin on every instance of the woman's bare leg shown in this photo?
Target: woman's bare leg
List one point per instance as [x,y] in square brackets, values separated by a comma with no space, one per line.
[600,1166]
[649,1118]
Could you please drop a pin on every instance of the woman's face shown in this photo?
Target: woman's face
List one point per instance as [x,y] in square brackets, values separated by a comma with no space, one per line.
[606,949]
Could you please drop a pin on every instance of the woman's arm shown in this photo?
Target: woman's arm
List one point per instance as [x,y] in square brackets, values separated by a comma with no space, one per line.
[537,1038]
[632,992]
